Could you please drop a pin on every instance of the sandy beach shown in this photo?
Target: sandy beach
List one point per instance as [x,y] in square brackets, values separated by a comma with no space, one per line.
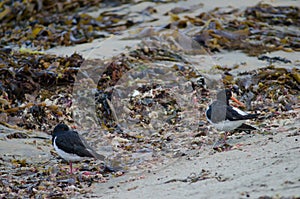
[263,164]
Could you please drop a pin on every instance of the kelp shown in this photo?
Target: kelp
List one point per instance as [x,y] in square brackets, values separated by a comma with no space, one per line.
[25,73]
[253,30]
[46,24]
[41,180]
[274,15]
[271,88]
[32,87]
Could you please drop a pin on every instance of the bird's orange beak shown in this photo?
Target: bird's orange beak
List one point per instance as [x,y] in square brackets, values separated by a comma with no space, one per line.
[237,101]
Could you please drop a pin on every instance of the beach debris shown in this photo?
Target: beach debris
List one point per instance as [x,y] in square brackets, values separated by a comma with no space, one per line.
[195,177]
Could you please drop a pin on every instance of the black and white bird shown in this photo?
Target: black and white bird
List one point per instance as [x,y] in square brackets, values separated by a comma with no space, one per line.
[71,146]
[225,117]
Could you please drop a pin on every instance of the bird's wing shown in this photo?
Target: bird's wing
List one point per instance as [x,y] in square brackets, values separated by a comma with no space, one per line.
[91,150]
[70,142]
[234,114]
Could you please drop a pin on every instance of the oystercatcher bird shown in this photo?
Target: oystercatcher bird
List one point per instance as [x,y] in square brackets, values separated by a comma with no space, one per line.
[225,117]
[71,146]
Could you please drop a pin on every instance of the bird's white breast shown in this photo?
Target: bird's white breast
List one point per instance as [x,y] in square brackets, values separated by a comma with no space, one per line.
[227,125]
[67,156]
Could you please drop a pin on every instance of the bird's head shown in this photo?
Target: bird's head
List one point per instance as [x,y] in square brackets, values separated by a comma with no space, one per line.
[226,95]
[60,127]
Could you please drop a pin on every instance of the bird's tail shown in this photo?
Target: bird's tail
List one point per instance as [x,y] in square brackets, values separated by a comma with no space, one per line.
[99,156]
[245,127]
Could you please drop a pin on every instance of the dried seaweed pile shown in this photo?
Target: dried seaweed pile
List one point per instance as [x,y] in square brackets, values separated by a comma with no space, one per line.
[36,88]
[255,30]
[45,24]
[32,180]
[137,66]
[279,15]
[281,88]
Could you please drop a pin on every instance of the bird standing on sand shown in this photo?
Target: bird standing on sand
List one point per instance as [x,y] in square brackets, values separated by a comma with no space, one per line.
[225,117]
[71,146]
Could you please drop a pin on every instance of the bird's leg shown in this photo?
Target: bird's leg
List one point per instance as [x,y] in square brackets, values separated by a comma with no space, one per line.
[71,169]
[222,145]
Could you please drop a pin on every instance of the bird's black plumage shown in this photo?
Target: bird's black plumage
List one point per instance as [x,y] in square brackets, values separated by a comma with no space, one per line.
[59,128]
[71,146]
[71,142]
[219,111]
[224,116]
[245,127]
